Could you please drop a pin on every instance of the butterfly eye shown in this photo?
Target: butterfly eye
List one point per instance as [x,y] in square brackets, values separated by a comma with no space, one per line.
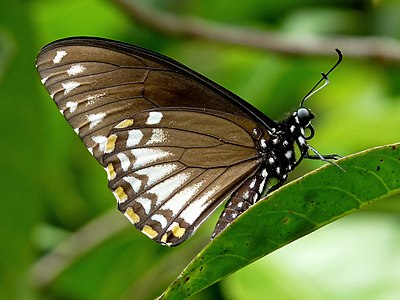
[304,116]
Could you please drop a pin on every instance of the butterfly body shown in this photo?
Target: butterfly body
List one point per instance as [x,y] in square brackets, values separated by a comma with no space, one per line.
[174,144]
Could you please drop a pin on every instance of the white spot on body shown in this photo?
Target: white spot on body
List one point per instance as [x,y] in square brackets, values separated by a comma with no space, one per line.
[301,140]
[145,156]
[145,202]
[271,160]
[75,69]
[275,141]
[285,143]
[292,128]
[160,219]
[278,170]
[263,143]
[134,137]
[289,154]
[101,141]
[134,183]
[59,56]
[192,212]
[72,106]
[155,173]
[154,118]
[240,204]
[158,136]
[69,86]
[179,200]
[234,215]
[124,160]
[95,119]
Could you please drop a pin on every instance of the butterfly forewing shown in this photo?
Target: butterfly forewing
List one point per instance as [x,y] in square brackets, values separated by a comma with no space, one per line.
[98,83]
[169,168]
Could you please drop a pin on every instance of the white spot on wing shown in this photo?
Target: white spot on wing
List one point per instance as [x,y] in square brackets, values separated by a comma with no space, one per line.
[179,200]
[101,140]
[76,130]
[134,182]
[145,202]
[155,173]
[252,183]
[160,219]
[91,99]
[191,213]
[262,185]
[134,137]
[95,119]
[145,156]
[72,106]
[154,118]
[69,86]
[124,160]
[75,69]
[164,189]
[59,56]
[158,136]
[43,80]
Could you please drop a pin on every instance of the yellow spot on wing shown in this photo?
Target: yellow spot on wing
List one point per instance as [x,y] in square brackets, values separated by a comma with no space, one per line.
[120,194]
[124,123]
[150,232]
[131,215]
[176,230]
[110,146]
[164,238]
[110,171]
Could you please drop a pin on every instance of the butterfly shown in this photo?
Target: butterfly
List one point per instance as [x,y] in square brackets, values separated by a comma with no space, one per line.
[174,144]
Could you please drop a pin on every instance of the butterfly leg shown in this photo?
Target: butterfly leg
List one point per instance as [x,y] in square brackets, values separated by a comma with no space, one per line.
[326,158]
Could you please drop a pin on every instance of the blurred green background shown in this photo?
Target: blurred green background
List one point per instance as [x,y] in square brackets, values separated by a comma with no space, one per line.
[55,196]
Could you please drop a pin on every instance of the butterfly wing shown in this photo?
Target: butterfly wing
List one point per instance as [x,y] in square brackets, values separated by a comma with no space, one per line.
[97,83]
[170,168]
[174,144]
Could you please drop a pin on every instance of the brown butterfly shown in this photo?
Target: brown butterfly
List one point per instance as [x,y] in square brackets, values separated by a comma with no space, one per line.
[174,144]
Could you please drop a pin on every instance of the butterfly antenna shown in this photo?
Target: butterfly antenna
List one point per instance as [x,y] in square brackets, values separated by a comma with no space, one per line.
[324,77]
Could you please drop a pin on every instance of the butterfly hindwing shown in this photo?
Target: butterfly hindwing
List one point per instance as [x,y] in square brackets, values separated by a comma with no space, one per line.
[169,169]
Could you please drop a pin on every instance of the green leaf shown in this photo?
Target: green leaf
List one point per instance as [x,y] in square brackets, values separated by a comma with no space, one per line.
[291,212]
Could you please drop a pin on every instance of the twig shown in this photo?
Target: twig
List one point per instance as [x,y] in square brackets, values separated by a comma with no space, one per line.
[385,50]
[47,268]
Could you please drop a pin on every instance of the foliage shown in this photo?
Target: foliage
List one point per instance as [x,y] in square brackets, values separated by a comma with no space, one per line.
[52,189]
